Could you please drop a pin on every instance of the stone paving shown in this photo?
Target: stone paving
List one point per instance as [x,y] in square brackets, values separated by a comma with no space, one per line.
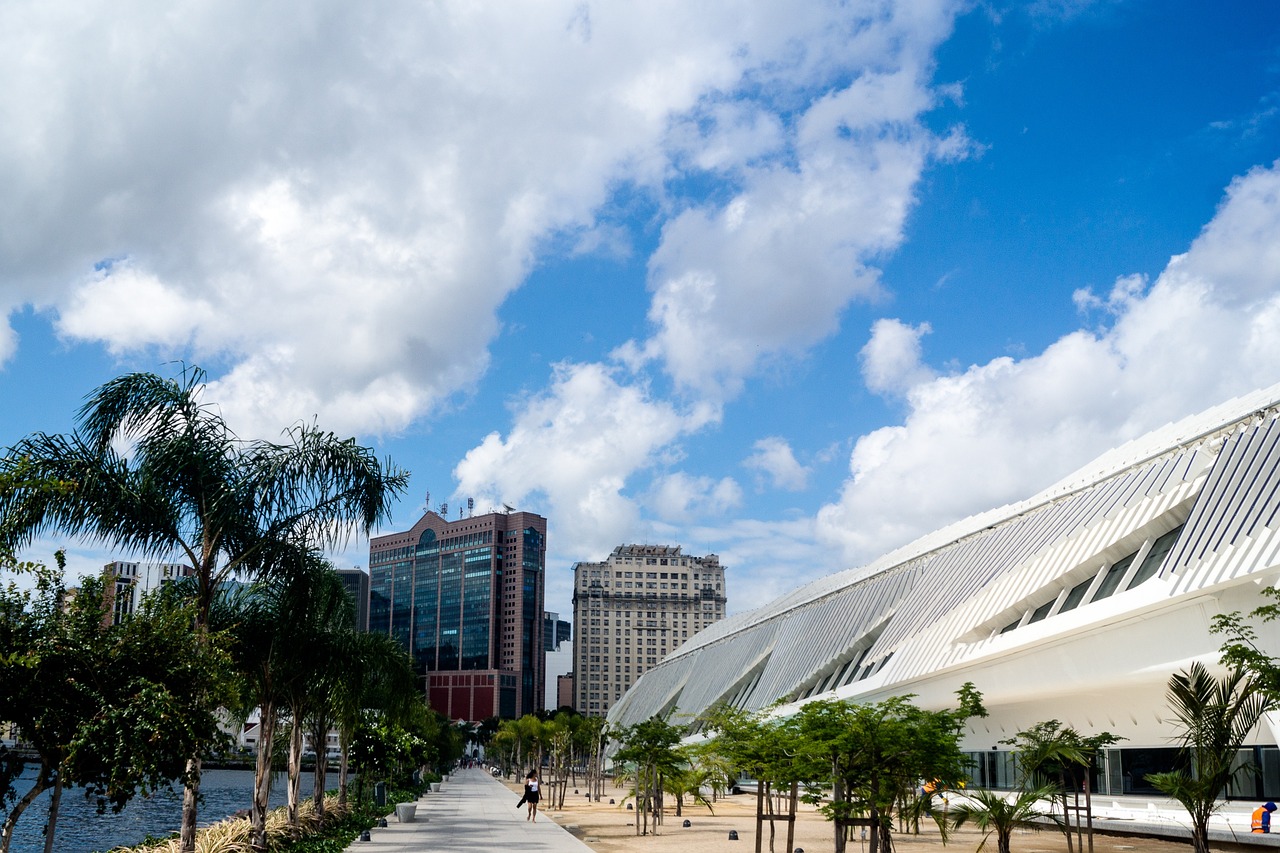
[471,812]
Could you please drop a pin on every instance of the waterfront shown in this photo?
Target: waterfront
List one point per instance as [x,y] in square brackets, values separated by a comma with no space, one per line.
[82,830]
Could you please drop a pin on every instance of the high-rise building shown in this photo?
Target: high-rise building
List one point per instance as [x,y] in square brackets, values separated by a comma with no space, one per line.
[128,582]
[356,583]
[631,611]
[554,631]
[465,598]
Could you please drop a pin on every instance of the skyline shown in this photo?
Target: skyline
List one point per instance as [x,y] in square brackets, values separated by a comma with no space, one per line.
[788,285]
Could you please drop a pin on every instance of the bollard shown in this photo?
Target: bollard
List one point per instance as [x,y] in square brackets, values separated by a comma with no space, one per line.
[687,823]
[364,836]
[611,802]
[733,835]
[628,806]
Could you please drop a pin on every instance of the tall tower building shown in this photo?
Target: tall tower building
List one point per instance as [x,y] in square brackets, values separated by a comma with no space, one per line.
[633,609]
[356,583]
[465,598]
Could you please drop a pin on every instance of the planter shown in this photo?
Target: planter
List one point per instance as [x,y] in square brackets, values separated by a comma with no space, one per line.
[406,812]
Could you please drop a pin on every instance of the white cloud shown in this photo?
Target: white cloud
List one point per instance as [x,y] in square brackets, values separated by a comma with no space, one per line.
[680,497]
[767,274]
[106,307]
[762,559]
[1207,329]
[773,458]
[334,200]
[891,360]
[577,445]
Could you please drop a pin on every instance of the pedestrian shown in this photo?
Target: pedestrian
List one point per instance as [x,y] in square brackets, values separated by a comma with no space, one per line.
[531,795]
[1262,817]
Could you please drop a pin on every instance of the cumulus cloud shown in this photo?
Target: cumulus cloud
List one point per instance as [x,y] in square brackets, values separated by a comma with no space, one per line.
[818,180]
[773,459]
[682,497]
[575,446]
[891,360]
[1208,328]
[333,202]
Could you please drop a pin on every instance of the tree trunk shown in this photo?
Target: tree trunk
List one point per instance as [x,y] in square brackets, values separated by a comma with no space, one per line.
[55,800]
[40,786]
[760,800]
[262,778]
[1066,813]
[874,845]
[791,810]
[1003,840]
[295,770]
[344,746]
[837,799]
[190,806]
[321,771]
[1200,836]
[1088,804]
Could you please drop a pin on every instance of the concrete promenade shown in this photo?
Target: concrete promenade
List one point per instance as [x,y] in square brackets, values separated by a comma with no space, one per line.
[472,812]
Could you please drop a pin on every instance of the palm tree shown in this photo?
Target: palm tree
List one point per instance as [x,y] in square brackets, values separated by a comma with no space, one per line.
[1215,717]
[687,781]
[992,812]
[378,674]
[155,471]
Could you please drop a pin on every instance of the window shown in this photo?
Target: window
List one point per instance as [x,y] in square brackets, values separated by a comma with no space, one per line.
[1076,595]
[1112,578]
[1041,611]
[1159,550]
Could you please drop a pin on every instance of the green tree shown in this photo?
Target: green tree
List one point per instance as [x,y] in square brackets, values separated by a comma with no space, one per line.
[763,748]
[105,706]
[871,756]
[1241,650]
[378,676]
[1214,717]
[650,748]
[995,813]
[155,471]
[1049,754]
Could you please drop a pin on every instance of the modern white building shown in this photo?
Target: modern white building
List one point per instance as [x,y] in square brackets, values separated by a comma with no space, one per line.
[128,582]
[1075,605]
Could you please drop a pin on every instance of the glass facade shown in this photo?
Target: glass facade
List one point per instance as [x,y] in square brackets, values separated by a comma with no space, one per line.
[1123,772]
[443,591]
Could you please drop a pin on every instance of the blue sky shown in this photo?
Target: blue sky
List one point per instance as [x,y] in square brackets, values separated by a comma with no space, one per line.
[790,284]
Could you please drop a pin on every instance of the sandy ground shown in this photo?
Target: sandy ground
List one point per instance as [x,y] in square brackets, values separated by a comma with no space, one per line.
[611,829]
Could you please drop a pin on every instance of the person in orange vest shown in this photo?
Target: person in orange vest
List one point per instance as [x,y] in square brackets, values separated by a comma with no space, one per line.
[1262,817]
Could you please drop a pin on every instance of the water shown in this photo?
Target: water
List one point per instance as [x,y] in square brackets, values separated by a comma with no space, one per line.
[82,830]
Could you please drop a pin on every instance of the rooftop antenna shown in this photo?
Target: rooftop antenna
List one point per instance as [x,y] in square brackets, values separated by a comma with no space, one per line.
[426,501]
[444,510]
[508,508]
[471,506]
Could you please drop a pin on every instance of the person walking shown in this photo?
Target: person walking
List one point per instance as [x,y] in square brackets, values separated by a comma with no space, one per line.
[1262,817]
[531,795]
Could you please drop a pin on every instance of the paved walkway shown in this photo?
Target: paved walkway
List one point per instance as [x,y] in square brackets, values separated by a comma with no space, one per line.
[471,812]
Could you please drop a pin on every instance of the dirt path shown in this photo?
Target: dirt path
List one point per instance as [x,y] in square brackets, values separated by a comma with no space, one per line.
[610,828]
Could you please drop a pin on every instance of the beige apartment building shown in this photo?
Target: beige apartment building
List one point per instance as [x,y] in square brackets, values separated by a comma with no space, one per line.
[632,610]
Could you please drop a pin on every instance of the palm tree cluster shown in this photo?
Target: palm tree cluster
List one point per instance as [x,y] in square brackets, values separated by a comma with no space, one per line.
[154,470]
[565,743]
